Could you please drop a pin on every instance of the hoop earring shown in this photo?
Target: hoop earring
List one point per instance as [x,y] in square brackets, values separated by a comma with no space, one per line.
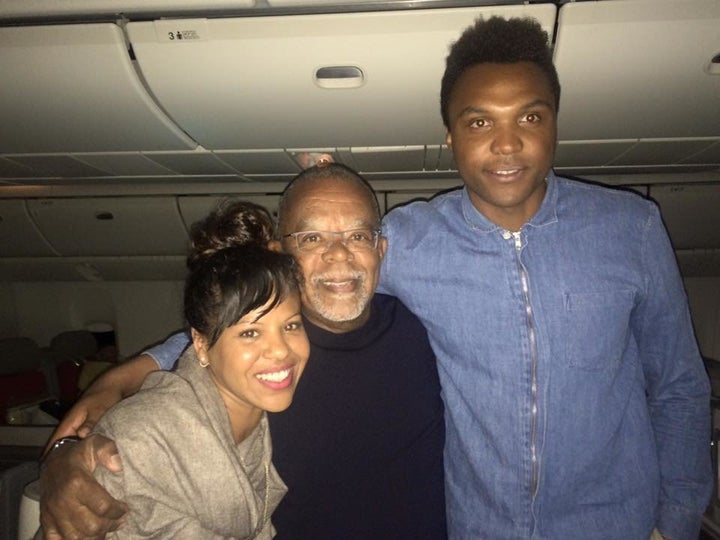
[203,361]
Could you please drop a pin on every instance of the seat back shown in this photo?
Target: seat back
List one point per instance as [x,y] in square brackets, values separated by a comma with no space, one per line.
[19,354]
[76,345]
[29,513]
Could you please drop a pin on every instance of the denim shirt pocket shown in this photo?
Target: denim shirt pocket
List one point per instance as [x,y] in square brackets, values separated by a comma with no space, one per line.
[597,327]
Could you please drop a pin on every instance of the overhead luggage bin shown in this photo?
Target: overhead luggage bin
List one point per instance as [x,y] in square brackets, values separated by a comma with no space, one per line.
[613,59]
[111,226]
[284,81]
[19,237]
[73,88]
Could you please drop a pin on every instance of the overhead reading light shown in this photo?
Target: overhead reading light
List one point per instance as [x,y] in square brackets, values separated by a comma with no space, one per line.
[339,77]
[713,68]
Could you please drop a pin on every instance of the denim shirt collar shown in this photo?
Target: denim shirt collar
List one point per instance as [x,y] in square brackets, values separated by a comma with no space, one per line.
[546,215]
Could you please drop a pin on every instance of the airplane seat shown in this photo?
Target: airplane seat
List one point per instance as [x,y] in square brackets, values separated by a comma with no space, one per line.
[29,511]
[71,350]
[18,354]
[75,345]
[23,377]
[68,374]
[14,483]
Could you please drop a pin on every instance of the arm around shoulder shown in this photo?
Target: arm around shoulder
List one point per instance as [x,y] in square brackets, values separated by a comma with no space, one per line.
[114,385]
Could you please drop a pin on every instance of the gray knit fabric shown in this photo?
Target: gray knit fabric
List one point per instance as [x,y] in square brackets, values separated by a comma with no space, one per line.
[183,475]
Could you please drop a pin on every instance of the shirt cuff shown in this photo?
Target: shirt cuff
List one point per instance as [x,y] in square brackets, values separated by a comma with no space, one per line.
[167,353]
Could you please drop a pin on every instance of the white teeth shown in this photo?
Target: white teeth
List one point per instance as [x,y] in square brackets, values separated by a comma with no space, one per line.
[276,376]
[506,173]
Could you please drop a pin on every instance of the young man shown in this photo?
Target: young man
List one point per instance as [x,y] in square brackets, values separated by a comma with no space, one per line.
[577,405]
[360,448]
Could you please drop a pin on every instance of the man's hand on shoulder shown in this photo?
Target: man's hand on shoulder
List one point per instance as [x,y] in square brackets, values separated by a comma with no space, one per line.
[111,387]
[72,504]
[81,418]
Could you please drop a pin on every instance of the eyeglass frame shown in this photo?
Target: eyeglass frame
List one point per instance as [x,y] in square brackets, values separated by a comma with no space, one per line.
[377,233]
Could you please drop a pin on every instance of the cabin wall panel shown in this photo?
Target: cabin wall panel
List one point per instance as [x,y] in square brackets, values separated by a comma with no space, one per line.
[8,315]
[144,313]
[704,299]
[140,312]
[149,312]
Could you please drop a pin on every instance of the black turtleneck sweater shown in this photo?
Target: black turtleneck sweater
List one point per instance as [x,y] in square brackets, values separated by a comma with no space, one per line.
[360,448]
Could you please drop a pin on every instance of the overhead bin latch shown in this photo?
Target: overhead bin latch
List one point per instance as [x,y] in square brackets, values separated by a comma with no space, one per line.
[713,67]
[339,77]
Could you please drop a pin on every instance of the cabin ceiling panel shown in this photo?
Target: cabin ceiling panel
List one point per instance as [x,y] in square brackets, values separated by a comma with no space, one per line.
[195,208]
[660,152]
[11,169]
[195,162]
[57,165]
[446,160]
[270,161]
[404,158]
[590,153]
[124,163]
[710,155]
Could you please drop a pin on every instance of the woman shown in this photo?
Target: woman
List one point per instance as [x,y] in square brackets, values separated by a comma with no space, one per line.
[195,444]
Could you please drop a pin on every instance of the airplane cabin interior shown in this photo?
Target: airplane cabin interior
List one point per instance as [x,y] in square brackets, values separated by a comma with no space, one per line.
[126,121]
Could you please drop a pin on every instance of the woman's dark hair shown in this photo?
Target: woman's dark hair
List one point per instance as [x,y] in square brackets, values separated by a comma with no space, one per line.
[498,41]
[231,272]
[233,222]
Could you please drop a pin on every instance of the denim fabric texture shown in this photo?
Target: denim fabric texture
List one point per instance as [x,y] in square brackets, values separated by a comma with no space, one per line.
[166,354]
[577,405]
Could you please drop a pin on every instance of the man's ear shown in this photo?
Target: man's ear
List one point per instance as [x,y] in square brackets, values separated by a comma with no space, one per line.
[382,246]
[448,140]
[275,245]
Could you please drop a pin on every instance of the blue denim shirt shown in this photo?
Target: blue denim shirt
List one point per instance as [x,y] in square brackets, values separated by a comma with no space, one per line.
[577,405]
[166,354]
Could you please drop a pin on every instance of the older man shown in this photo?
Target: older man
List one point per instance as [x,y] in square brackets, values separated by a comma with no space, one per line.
[361,446]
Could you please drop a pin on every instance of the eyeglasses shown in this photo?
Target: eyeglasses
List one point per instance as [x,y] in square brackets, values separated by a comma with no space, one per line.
[321,241]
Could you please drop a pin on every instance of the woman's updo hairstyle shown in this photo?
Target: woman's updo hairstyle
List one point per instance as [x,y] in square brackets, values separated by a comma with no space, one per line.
[231,272]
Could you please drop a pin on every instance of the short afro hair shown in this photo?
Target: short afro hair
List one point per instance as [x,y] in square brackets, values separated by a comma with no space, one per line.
[498,41]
